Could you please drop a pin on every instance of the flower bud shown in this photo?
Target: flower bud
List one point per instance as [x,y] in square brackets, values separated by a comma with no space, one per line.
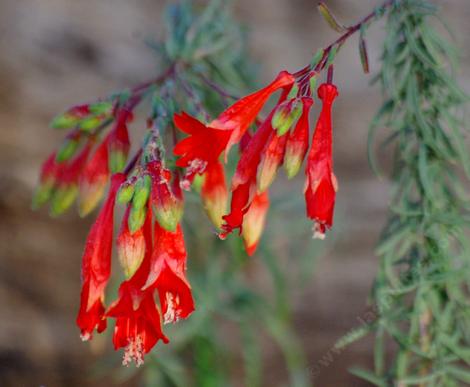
[102,107]
[89,124]
[167,200]
[214,193]
[119,143]
[136,218]
[270,161]
[130,247]
[142,190]
[253,222]
[67,149]
[93,180]
[62,199]
[47,181]
[125,194]
[297,142]
[286,116]
[71,117]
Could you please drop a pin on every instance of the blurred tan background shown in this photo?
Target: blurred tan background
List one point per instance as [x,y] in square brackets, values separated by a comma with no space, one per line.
[55,53]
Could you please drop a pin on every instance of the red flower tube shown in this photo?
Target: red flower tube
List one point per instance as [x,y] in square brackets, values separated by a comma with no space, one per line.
[321,184]
[93,179]
[96,265]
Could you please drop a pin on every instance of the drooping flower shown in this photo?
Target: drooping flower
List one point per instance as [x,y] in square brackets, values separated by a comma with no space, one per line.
[321,184]
[254,221]
[138,322]
[206,143]
[96,265]
[119,143]
[214,193]
[93,179]
[297,142]
[167,274]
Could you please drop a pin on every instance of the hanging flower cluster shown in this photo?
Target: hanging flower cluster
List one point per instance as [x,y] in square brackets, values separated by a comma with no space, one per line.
[280,139]
[150,244]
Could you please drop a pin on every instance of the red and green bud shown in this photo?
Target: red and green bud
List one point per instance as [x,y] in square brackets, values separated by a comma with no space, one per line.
[66,189]
[286,116]
[71,118]
[102,107]
[131,246]
[68,148]
[254,221]
[214,193]
[89,124]
[93,180]
[126,193]
[47,181]
[136,218]
[297,142]
[271,159]
[166,198]
[142,189]
[119,143]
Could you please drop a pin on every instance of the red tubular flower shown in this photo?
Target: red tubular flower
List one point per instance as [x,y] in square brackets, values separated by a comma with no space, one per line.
[214,193]
[321,184]
[206,143]
[119,143]
[131,246]
[254,221]
[167,274]
[93,179]
[138,323]
[96,265]
[297,142]
[166,197]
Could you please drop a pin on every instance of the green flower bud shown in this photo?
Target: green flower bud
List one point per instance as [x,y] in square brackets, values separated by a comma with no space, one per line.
[141,191]
[136,218]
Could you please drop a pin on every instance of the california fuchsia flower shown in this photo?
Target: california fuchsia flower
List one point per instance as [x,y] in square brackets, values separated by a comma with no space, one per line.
[254,221]
[138,322]
[96,265]
[206,143]
[214,193]
[321,184]
[119,143]
[167,274]
[297,142]
[93,179]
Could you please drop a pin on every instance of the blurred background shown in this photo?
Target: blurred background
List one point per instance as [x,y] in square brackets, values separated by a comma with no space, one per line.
[56,53]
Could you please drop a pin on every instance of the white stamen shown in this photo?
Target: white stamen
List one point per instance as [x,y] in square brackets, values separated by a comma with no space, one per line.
[85,336]
[317,231]
[172,314]
[134,352]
